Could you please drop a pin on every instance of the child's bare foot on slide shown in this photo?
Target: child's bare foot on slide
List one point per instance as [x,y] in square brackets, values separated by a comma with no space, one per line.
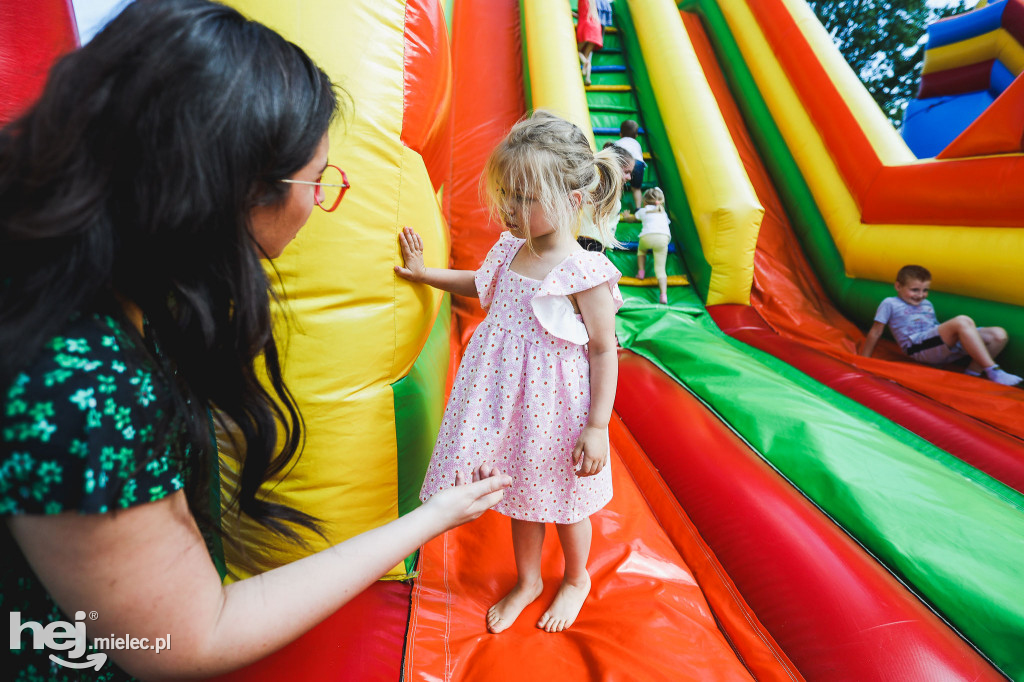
[566,606]
[504,613]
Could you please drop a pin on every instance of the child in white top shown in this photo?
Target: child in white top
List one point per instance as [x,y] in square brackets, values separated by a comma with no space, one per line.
[655,237]
[534,392]
[914,325]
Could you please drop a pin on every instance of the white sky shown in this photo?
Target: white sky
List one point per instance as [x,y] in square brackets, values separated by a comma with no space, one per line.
[92,15]
[947,3]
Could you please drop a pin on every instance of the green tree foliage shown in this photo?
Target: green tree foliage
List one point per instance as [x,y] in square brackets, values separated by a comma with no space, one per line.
[884,40]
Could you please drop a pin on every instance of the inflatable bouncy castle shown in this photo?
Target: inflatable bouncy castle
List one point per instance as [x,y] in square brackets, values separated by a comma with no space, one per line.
[784,508]
[970,98]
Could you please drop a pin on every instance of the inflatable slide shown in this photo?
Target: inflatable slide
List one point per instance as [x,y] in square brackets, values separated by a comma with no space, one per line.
[783,509]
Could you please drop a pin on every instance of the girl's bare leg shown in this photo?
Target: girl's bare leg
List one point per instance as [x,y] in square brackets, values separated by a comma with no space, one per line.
[586,60]
[575,538]
[527,542]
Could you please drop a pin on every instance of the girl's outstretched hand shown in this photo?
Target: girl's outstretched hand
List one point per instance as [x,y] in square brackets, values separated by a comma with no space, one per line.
[466,501]
[412,251]
[590,455]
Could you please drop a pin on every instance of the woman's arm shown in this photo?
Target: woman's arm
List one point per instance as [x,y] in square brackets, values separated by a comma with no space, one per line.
[460,282]
[147,573]
[871,340]
[598,310]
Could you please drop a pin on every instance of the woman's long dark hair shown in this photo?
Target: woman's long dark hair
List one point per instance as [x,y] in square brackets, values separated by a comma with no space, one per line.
[132,178]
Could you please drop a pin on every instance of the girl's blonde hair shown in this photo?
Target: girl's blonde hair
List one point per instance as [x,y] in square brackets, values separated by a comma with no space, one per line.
[544,158]
[655,196]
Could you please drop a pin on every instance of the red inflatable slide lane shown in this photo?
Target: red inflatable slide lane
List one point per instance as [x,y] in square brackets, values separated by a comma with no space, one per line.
[998,454]
[837,613]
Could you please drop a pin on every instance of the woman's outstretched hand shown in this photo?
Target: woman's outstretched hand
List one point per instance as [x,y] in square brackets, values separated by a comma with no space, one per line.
[468,500]
[412,251]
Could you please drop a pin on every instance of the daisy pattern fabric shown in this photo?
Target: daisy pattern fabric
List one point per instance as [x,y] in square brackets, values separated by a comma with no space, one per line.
[522,393]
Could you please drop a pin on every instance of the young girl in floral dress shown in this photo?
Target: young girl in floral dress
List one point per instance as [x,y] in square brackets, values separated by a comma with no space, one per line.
[534,393]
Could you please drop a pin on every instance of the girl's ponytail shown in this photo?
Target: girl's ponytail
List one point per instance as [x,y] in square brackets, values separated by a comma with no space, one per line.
[605,194]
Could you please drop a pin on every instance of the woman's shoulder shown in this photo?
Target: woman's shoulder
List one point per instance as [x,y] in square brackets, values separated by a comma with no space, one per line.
[80,422]
[81,348]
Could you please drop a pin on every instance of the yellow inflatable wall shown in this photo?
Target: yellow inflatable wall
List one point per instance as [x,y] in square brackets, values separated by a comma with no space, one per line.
[350,329]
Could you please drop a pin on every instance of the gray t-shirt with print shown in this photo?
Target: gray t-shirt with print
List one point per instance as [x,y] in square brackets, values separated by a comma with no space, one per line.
[910,324]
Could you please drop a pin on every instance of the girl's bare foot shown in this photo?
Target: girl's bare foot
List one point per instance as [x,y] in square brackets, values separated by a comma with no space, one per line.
[501,616]
[566,606]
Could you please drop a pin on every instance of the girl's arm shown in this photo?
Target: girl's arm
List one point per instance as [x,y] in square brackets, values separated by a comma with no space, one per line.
[147,573]
[598,310]
[459,282]
[871,340]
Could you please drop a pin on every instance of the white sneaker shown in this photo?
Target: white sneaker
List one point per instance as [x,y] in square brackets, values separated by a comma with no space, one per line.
[1000,377]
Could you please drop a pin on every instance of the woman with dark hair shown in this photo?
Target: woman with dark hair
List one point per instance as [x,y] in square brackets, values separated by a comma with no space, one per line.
[137,196]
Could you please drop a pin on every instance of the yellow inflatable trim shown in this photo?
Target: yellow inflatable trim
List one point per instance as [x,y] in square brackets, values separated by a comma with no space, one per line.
[997,44]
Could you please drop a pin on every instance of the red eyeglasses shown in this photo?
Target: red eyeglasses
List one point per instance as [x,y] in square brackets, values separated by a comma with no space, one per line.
[330,187]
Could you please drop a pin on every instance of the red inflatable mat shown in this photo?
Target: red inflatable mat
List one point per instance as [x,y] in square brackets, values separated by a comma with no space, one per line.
[645,619]
[362,641]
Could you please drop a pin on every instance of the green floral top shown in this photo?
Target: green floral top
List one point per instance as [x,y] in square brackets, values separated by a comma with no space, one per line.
[77,433]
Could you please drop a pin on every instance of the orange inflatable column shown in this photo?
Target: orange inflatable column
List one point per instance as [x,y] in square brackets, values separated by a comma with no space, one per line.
[426,126]
[487,100]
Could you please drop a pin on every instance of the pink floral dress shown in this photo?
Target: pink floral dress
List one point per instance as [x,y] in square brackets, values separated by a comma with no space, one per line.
[522,393]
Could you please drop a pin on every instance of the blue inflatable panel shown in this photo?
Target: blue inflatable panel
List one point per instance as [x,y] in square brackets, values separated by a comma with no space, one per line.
[1000,79]
[929,125]
[967,25]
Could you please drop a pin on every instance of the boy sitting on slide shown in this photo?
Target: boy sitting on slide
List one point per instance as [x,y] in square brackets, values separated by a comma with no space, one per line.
[912,321]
